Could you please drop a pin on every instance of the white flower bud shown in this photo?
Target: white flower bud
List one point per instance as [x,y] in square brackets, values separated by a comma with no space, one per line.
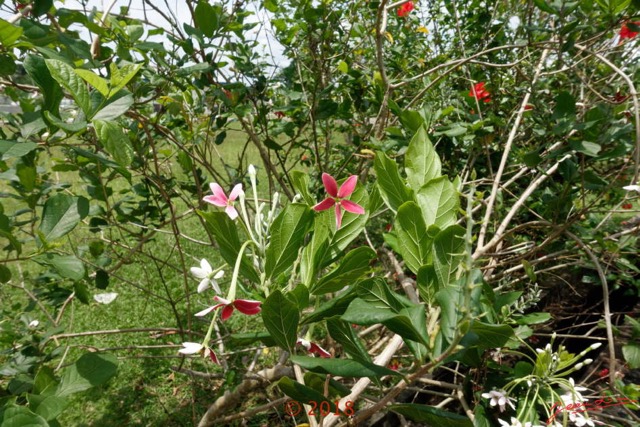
[252,170]
[595,346]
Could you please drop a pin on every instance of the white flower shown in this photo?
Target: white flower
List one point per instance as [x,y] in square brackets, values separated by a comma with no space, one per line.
[34,324]
[499,398]
[580,420]
[514,23]
[515,423]
[205,272]
[632,188]
[191,348]
[106,298]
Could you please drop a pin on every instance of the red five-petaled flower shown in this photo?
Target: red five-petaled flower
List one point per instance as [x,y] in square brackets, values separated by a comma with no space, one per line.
[628,33]
[405,9]
[337,197]
[314,348]
[244,306]
[480,93]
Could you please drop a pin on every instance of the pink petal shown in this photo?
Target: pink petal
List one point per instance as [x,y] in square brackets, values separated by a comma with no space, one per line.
[218,192]
[206,311]
[235,192]
[316,349]
[352,207]
[338,216]
[324,205]
[215,200]
[221,300]
[227,311]
[330,184]
[348,186]
[213,357]
[248,307]
[231,211]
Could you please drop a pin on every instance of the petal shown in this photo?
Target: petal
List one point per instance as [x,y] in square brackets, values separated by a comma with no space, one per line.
[221,300]
[219,274]
[232,212]
[206,311]
[352,207]
[338,216]
[218,193]
[215,286]
[348,186]
[631,188]
[248,307]
[235,192]
[306,344]
[204,264]
[204,285]
[330,184]
[324,205]
[199,273]
[190,348]
[227,311]
[315,348]
[215,201]
[213,357]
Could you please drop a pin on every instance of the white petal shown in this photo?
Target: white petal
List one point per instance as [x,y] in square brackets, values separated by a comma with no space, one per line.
[205,311]
[190,348]
[105,298]
[204,264]
[199,273]
[204,285]
[34,324]
[219,274]
[215,286]
[632,188]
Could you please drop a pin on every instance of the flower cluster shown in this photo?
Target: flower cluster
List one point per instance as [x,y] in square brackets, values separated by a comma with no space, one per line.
[479,92]
[626,32]
[405,9]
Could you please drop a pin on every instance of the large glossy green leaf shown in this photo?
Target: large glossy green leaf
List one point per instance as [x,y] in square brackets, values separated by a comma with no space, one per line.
[115,107]
[414,243]
[287,235]
[439,202]
[225,233]
[9,33]
[61,214]
[115,141]
[431,416]
[302,394]
[65,75]
[94,80]
[315,253]
[376,292]
[92,369]
[342,367]
[121,76]
[38,71]
[418,316]
[13,149]
[345,335]
[422,164]
[65,265]
[334,307]
[448,250]
[206,18]
[48,407]
[392,188]
[281,317]
[353,266]
[486,336]
[19,416]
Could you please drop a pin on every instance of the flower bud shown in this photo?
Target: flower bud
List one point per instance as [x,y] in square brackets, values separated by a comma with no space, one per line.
[252,170]
[595,346]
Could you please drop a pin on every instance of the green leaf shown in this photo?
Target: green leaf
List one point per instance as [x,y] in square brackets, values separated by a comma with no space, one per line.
[631,353]
[120,77]
[486,336]
[38,71]
[353,266]
[61,214]
[439,202]
[48,407]
[9,33]
[5,274]
[392,188]
[225,232]
[103,161]
[418,316]
[13,149]
[67,127]
[66,76]
[94,80]
[565,106]
[300,296]
[422,164]
[430,415]
[116,106]
[45,381]
[414,243]
[448,249]
[300,182]
[333,307]
[345,335]
[91,370]
[287,235]
[314,254]
[303,394]
[363,313]
[19,416]
[427,282]
[342,367]
[533,318]
[585,147]
[115,141]
[450,300]
[376,291]
[7,65]
[66,265]
[249,338]
[281,317]
[206,18]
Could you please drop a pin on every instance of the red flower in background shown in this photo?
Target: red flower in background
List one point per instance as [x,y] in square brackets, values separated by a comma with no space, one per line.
[279,114]
[480,93]
[626,32]
[405,9]
[603,373]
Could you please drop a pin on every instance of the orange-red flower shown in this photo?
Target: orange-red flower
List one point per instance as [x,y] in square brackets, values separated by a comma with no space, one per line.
[480,93]
[405,9]
[628,33]
[244,306]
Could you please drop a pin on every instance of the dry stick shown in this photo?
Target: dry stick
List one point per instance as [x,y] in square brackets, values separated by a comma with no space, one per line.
[95,45]
[505,155]
[231,398]
[636,106]
[251,412]
[117,331]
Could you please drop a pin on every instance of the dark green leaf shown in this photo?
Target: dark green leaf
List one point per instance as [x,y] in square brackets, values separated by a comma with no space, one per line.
[345,335]
[422,163]
[376,291]
[487,336]
[116,106]
[19,416]
[300,182]
[448,250]
[565,106]
[249,338]
[287,234]
[302,394]
[206,18]
[61,214]
[392,188]
[13,149]
[533,318]
[585,147]
[66,265]
[5,274]
[439,202]
[281,317]
[115,141]
[48,407]
[65,75]
[7,65]
[91,370]
[631,353]
[300,296]
[353,266]
[342,367]
[414,243]
[333,307]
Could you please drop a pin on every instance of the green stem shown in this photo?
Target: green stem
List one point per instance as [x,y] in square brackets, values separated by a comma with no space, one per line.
[236,270]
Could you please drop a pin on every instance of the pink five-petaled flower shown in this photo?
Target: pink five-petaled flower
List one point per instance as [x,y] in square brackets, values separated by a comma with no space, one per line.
[314,348]
[480,93]
[244,306]
[405,9]
[336,197]
[220,199]
[626,32]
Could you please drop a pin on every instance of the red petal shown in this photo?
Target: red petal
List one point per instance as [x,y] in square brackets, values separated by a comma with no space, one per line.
[348,186]
[248,307]
[227,311]
[213,357]
[338,216]
[324,205]
[352,207]
[330,184]
[316,349]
